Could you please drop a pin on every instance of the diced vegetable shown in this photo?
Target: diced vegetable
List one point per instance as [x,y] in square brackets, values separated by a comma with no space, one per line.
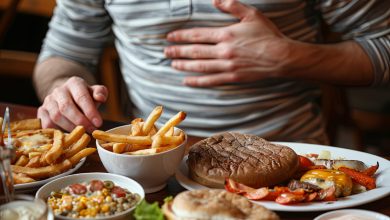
[325,154]
[92,199]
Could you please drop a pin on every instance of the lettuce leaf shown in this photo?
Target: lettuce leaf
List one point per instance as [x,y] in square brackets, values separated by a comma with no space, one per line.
[148,211]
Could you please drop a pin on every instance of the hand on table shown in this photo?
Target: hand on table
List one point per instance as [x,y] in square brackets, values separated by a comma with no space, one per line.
[250,50]
[73,103]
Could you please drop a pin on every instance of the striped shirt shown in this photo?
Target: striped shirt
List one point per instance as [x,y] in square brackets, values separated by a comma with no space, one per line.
[273,108]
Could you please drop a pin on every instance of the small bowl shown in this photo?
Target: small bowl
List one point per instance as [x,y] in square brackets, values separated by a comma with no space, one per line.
[151,171]
[122,181]
[349,213]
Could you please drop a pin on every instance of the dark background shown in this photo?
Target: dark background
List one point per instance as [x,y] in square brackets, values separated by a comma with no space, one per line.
[24,34]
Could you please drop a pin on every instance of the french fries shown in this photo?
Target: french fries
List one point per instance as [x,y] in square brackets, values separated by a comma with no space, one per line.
[144,138]
[27,124]
[153,116]
[22,161]
[78,146]
[121,138]
[22,178]
[57,148]
[43,172]
[73,136]
[43,153]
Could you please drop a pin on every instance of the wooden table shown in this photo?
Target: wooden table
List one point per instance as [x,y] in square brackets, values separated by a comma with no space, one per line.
[93,164]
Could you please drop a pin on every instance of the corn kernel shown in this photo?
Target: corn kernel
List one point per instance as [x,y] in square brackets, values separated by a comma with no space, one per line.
[93,212]
[108,199]
[84,212]
[105,208]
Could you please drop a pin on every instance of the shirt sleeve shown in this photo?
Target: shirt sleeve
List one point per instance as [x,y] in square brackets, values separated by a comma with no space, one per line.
[366,22]
[78,31]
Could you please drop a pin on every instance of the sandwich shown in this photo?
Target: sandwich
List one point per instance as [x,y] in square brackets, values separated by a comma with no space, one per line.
[209,204]
[247,159]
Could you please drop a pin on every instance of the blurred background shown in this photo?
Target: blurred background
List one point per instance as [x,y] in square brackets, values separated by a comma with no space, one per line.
[359,117]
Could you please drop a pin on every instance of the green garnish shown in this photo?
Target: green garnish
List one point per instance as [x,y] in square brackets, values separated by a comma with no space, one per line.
[148,211]
[168,199]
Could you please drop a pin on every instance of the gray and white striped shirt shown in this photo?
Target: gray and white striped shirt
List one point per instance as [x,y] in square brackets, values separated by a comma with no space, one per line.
[273,108]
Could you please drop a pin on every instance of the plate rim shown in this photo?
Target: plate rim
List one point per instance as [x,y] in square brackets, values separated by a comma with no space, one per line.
[368,212]
[183,180]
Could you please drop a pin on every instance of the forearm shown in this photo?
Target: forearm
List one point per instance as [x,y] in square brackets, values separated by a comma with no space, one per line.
[343,63]
[54,71]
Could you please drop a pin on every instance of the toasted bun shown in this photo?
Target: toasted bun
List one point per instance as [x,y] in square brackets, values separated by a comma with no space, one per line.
[247,159]
[214,204]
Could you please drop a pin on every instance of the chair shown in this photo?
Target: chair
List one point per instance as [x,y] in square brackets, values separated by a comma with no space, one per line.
[16,65]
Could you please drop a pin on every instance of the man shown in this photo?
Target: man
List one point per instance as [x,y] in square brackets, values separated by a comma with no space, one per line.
[239,66]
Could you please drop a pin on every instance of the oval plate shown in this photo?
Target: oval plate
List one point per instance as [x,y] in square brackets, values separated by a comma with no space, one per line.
[382,181]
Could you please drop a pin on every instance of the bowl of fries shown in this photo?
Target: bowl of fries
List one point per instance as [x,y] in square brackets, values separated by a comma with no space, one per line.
[143,151]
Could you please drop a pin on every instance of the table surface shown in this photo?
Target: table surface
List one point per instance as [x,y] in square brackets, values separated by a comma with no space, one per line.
[93,164]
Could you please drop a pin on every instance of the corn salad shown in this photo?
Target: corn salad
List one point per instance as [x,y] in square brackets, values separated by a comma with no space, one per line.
[91,199]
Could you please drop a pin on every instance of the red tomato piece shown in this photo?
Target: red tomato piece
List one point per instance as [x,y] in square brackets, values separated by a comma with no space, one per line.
[257,194]
[118,191]
[305,163]
[96,185]
[290,198]
[78,189]
[235,187]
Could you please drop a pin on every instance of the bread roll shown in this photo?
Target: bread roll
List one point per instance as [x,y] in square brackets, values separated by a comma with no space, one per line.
[214,204]
[247,159]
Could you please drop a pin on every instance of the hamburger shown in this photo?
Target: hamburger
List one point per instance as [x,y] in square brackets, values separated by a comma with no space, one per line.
[247,159]
[214,204]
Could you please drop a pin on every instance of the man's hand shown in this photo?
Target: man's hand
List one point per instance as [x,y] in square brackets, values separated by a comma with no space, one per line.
[73,103]
[250,50]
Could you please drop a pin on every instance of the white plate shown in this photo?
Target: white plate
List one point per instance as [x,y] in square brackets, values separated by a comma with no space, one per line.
[357,213]
[25,187]
[382,190]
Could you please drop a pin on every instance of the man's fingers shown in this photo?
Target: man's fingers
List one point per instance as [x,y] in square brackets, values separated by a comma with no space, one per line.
[69,110]
[80,94]
[199,51]
[199,35]
[210,80]
[45,118]
[206,66]
[56,115]
[99,93]
[237,9]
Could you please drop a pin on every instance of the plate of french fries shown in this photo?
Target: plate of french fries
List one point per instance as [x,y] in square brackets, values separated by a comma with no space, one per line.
[45,154]
[144,137]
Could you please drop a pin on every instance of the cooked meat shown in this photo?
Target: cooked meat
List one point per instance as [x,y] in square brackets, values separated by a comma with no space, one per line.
[296,184]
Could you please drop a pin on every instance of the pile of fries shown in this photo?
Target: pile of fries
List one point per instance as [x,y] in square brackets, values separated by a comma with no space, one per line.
[43,153]
[144,137]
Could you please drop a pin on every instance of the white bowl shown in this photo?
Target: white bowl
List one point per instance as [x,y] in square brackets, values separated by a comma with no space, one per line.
[122,181]
[352,214]
[151,171]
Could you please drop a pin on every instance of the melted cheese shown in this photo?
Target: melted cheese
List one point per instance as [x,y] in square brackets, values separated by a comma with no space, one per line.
[31,142]
[326,178]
